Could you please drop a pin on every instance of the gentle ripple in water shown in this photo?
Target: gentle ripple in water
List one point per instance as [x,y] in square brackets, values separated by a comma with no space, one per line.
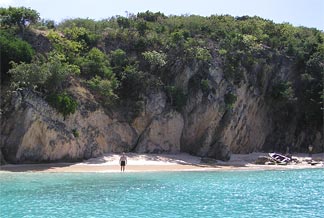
[297,193]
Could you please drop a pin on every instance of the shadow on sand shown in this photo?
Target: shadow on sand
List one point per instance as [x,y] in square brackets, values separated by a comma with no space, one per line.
[33,167]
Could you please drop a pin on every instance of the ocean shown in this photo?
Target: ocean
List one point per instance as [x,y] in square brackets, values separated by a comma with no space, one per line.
[289,193]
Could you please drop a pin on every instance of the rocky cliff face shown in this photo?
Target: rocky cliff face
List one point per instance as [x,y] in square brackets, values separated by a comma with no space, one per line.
[207,125]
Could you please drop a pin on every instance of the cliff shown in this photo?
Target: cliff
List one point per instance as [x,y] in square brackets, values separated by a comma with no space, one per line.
[32,131]
[217,114]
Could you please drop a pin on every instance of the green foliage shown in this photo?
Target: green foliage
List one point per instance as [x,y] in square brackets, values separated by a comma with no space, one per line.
[95,27]
[13,49]
[151,16]
[125,57]
[104,87]
[141,27]
[155,58]
[313,90]
[204,84]
[80,35]
[96,63]
[230,100]
[199,53]
[133,83]
[33,75]
[283,91]
[71,49]
[45,24]
[63,102]
[59,71]
[179,37]
[43,74]
[222,51]
[118,60]
[22,17]
[75,132]
[123,22]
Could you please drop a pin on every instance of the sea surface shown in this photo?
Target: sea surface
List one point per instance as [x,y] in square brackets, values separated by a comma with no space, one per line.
[289,193]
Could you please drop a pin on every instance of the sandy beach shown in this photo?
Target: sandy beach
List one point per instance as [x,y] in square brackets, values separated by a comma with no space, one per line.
[165,162]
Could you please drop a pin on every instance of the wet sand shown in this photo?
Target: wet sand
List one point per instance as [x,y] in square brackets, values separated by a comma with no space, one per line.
[157,162]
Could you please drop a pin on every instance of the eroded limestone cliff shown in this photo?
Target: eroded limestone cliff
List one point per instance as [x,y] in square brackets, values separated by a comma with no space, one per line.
[208,125]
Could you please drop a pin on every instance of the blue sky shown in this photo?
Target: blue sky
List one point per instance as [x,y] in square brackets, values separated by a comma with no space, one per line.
[309,13]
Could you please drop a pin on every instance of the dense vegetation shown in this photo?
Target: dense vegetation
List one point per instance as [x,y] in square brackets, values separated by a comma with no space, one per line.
[122,58]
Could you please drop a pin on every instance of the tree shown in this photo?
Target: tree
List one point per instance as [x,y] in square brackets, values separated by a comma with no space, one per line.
[71,49]
[96,63]
[155,58]
[13,49]
[33,75]
[123,22]
[106,88]
[80,35]
[22,17]
[118,59]
[63,103]
[48,74]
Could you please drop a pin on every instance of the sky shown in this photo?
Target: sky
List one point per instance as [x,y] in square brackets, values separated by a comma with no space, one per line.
[308,13]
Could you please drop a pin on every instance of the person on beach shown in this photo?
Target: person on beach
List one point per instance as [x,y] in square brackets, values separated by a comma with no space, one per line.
[123,162]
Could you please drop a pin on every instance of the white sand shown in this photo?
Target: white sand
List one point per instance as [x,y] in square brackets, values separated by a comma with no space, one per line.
[156,162]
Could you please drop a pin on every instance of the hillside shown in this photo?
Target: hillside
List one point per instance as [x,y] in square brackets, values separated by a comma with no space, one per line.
[151,83]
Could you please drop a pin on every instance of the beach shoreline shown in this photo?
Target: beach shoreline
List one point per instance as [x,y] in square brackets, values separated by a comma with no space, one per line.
[109,163]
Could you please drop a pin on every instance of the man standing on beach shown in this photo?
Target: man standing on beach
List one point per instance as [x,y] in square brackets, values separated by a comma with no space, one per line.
[123,162]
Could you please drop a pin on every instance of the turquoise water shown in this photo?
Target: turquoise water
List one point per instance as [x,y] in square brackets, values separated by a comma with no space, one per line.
[298,193]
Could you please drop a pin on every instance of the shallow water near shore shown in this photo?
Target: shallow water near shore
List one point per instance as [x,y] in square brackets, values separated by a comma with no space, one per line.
[289,193]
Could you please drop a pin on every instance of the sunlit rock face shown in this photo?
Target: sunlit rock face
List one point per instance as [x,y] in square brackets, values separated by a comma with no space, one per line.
[209,124]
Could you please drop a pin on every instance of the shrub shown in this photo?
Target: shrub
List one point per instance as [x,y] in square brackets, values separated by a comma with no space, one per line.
[283,91]
[63,103]
[155,58]
[13,49]
[199,53]
[33,75]
[48,74]
[75,132]
[230,100]
[105,87]
[118,59]
[204,84]
[96,63]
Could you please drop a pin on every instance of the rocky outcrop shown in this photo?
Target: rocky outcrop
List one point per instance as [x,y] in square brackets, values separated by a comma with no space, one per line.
[41,134]
[162,135]
[207,125]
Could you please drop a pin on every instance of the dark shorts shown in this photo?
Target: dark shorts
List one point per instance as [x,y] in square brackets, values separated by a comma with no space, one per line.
[122,163]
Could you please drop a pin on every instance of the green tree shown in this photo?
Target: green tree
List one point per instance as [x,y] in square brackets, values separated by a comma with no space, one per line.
[156,59]
[42,74]
[313,90]
[283,91]
[59,71]
[71,49]
[96,63]
[123,22]
[13,49]
[118,60]
[33,75]
[81,35]
[198,53]
[151,16]
[63,103]
[106,88]
[230,100]
[22,17]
